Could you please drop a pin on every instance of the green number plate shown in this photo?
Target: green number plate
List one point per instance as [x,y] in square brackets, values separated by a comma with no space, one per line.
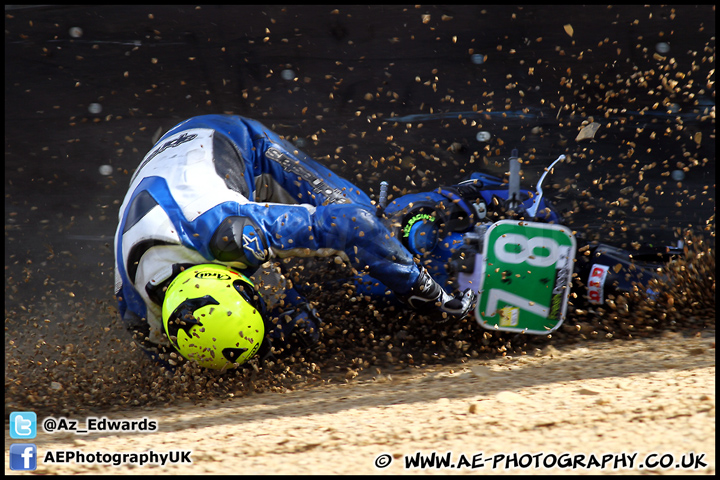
[526,276]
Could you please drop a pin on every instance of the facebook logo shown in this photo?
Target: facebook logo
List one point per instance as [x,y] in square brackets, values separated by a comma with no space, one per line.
[23,425]
[23,456]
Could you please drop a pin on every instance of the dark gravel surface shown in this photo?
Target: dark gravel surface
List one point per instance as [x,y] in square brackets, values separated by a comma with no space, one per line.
[396,93]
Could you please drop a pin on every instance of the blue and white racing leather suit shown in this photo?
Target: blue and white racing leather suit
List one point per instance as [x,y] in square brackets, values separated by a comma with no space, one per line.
[225,189]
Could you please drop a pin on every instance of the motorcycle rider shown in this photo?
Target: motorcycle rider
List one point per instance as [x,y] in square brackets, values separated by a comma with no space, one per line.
[225,190]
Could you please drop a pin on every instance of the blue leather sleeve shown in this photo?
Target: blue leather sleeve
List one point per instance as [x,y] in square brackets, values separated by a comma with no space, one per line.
[349,228]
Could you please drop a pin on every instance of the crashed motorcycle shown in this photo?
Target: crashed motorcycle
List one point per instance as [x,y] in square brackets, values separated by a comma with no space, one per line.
[509,245]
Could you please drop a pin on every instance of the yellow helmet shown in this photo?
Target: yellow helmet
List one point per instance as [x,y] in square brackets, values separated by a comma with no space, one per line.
[213,316]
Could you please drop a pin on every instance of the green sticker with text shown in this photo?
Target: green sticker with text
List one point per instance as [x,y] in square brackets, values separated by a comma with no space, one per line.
[526,277]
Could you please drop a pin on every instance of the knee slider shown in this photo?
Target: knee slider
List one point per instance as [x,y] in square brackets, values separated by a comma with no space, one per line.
[419,227]
[420,231]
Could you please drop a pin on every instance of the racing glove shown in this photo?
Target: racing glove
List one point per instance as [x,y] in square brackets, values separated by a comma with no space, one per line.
[429,298]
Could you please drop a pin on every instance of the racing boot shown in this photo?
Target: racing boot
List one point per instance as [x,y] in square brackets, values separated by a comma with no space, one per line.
[429,298]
